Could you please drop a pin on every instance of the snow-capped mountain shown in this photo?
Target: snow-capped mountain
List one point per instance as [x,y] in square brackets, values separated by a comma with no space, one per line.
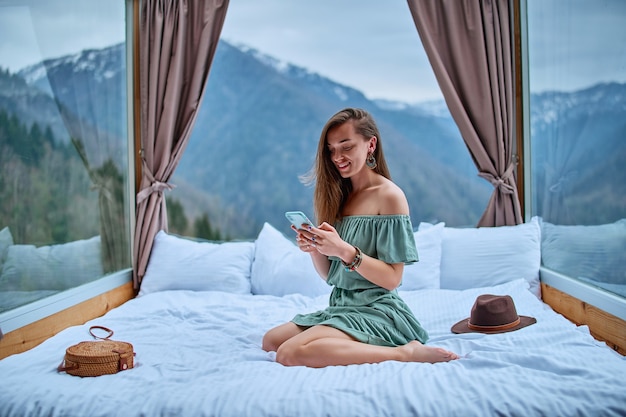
[274,111]
[99,65]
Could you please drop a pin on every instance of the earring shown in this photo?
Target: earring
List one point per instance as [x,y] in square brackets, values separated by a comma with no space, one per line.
[370,161]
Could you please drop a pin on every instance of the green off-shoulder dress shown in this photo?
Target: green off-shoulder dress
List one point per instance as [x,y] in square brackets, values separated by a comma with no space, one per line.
[365,311]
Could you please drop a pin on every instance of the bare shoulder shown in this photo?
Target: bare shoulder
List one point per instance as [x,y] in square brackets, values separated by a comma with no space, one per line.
[392,199]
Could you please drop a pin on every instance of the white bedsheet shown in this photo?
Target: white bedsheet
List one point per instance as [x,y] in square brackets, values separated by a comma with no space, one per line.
[199,354]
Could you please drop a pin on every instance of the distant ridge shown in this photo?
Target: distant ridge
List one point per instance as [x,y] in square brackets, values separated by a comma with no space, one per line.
[259,124]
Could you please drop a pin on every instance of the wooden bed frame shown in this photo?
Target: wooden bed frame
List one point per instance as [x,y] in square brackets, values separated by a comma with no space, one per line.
[29,336]
[603,326]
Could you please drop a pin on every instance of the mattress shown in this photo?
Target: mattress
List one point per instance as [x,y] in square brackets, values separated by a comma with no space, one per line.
[198,353]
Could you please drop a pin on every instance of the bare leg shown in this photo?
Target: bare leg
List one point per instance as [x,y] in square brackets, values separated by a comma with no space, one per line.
[279,334]
[321,346]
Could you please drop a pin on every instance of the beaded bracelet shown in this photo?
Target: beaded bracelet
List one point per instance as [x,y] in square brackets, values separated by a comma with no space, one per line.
[356,262]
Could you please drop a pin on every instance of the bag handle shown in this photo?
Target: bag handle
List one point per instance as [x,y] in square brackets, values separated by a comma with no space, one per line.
[106,329]
[63,368]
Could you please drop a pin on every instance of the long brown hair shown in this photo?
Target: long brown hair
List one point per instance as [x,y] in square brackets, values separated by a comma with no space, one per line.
[331,190]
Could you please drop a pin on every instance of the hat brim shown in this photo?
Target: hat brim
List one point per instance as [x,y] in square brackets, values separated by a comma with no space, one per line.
[463,326]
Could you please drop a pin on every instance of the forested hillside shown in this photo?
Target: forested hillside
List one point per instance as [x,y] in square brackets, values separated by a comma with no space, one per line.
[45,193]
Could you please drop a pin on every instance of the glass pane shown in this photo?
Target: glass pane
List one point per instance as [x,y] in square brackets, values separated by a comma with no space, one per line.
[277,76]
[63,146]
[577,70]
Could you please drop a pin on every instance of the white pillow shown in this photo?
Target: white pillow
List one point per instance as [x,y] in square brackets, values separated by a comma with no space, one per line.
[425,274]
[55,267]
[178,263]
[280,268]
[487,256]
[597,252]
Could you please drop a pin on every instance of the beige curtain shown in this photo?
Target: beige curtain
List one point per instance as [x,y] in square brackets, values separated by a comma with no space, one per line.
[468,43]
[177,42]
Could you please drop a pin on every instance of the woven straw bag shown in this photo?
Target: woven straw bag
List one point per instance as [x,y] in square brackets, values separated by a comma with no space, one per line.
[98,357]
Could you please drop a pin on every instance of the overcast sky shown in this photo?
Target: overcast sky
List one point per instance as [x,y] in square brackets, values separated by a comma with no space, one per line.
[55,28]
[371,45]
[368,44]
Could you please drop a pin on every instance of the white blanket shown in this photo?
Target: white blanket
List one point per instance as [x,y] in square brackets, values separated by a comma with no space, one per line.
[199,354]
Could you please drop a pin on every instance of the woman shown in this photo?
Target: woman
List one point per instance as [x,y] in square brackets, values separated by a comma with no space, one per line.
[363,258]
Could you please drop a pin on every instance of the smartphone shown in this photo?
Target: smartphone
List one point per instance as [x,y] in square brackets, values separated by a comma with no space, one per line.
[298,218]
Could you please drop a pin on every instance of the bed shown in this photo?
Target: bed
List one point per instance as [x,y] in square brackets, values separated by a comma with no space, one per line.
[198,321]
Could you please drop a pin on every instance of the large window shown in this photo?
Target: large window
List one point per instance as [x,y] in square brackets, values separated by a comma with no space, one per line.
[281,70]
[64,169]
[577,75]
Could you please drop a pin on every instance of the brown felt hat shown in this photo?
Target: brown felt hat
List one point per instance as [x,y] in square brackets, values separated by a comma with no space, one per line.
[493,314]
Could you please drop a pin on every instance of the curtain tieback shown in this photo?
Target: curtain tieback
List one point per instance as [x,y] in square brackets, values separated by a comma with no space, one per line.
[499,182]
[155,187]
[102,190]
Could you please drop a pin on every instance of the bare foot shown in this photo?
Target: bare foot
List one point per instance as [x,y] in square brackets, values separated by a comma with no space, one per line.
[418,352]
